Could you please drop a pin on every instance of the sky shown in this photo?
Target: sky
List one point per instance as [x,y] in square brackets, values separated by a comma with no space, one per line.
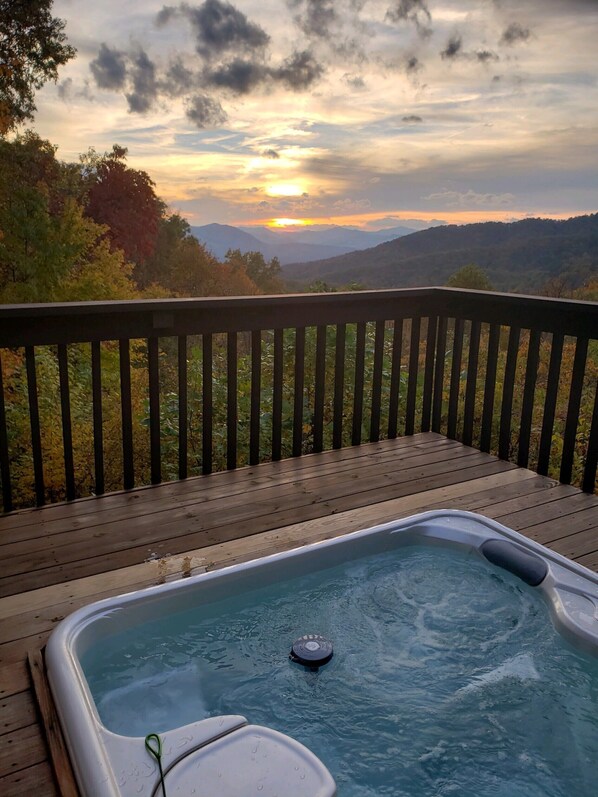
[371,113]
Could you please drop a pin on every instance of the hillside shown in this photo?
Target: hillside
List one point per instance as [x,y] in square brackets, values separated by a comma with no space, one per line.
[292,245]
[516,256]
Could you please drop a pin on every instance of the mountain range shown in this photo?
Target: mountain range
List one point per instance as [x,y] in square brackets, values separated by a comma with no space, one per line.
[312,242]
[520,255]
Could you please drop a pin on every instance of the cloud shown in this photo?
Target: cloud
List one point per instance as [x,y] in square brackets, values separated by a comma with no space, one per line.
[470,198]
[290,207]
[355,81]
[352,205]
[240,76]
[270,153]
[235,53]
[388,222]
[556,7]
[485,56]
[299,71]
[515,33]
[218,27]
[317,17]
[453,48]
[415,11]
[145,85]
[178,79]
[334,25]
[413,65]
[412,119]
[109,69]
[164,16]
[65,89]
[205,111]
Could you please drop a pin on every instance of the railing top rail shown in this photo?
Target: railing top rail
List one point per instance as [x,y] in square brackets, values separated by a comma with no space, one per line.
[202,302]
[44,324]
[543,313]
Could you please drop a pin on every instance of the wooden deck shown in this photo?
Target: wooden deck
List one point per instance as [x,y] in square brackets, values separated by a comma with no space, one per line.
[61,557]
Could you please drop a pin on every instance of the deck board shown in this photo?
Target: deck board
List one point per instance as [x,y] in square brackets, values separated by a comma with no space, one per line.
[61,557]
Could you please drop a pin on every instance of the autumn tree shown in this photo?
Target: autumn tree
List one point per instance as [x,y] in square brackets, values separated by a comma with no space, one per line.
[320,286]
[576,272]
[158,268]
[123,199]
[195,271]
[472,277]
[265,274]
[232,281]
[588,292]
[49,251]
[32,47]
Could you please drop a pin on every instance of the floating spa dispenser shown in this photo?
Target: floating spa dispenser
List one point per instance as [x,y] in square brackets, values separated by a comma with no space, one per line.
[311,650]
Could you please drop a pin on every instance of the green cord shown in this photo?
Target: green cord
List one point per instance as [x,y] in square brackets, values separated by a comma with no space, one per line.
[153,744]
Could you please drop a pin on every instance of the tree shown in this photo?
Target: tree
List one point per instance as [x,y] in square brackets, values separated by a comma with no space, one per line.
[320,286]
[49,251]
[265,274]
[196,272]
[191,269]
[32,47]
[123,199]
[61,257]
[158,268]
[470,276]
[575,272]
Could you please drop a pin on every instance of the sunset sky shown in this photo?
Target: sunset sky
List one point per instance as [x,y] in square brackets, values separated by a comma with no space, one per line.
[364,112]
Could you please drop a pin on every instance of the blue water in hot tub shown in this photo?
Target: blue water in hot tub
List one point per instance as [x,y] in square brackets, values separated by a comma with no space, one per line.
[447,678]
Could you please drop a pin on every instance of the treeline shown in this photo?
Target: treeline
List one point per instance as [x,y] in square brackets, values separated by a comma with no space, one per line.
[96,230]
[539,256]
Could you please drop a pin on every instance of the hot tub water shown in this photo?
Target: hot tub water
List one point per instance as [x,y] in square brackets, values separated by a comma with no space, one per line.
[447,677]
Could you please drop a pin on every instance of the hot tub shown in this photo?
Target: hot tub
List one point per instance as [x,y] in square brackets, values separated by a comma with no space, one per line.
[464,662]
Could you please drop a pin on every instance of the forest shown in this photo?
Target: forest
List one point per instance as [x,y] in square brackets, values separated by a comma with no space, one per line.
[538,256]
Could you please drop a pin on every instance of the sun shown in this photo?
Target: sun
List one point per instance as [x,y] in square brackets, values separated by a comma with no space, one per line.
[285,189]
[288,223]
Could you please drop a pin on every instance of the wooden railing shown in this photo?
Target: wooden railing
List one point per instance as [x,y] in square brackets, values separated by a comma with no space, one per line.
[204,384]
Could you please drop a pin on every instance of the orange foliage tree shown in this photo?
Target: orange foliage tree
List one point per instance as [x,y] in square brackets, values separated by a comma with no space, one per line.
[125,201]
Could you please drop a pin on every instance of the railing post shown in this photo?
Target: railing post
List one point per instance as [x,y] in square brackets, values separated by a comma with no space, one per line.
[256,387]
[207,409]
[36,442]
[589,474]
[377,381]
[126,414]
[231,400]
[395,378]
[277,395]
[98,428]
[579,362]
[339,387]
[358,384]
[4,455]
[320,389]
[298,391]
[413,374]
[429,373]
[182,404]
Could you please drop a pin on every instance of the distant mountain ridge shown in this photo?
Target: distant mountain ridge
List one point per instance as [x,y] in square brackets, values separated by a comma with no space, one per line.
[516,256]
[303,244]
